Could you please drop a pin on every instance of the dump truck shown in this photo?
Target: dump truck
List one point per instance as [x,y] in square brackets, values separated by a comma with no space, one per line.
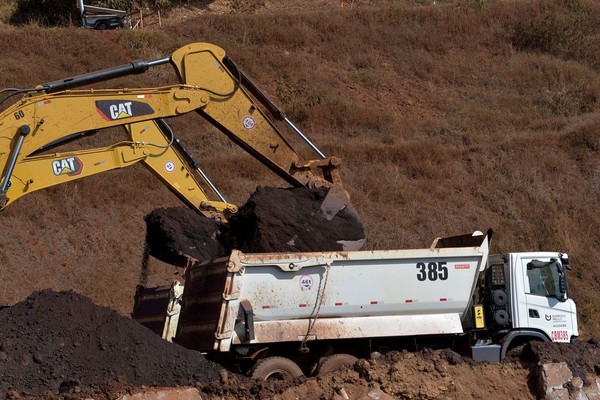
[292,314]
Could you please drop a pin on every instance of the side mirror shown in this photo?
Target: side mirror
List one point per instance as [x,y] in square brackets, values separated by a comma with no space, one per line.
[562,282]
[562,286]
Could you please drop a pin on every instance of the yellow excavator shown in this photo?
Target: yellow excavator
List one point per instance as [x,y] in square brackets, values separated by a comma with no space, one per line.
[211,84]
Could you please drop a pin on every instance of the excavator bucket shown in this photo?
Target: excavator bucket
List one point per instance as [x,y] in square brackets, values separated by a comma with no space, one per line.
[335,200]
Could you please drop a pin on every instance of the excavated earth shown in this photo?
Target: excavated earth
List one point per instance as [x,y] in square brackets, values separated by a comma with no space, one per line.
[272,220]
[175,233]
[57,341]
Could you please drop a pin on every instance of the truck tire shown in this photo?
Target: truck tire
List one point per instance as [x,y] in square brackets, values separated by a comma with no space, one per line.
[334,362]
[272,368]
[101,25]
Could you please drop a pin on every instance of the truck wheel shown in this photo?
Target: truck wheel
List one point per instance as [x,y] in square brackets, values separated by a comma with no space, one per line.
[272,368]
[334,362]
[102,25]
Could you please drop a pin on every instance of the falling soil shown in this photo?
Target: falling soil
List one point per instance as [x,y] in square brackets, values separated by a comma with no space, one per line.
[173,234]
[290,220]
[60,340]
[272,220]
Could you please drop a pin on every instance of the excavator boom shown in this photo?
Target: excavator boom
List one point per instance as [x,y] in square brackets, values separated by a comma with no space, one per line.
[210,84]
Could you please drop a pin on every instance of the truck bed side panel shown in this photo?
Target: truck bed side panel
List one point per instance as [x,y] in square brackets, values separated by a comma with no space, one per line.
[350,294]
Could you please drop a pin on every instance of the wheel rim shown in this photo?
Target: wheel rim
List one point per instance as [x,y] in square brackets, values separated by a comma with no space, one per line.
[278,375]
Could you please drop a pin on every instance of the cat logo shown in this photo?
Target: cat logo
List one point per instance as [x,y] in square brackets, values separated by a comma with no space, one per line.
[121,110]
[71,166]
[112,110]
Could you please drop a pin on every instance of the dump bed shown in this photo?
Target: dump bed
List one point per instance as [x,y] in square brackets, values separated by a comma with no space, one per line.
[280,297]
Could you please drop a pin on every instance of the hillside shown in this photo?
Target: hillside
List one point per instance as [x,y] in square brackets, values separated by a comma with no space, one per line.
[449,118]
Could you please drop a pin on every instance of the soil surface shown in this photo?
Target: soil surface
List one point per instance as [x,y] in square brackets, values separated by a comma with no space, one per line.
[57,341]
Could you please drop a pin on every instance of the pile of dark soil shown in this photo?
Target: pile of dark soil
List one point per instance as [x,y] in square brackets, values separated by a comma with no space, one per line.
[58,341]
[272,220]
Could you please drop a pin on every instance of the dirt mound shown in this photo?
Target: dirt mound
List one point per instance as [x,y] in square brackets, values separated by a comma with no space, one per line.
[272,220]
[60,340]
[428,374]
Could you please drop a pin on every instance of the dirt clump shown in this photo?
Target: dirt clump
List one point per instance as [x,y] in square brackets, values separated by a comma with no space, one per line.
[59,341]
[175,233]
[272,220]
[290,220]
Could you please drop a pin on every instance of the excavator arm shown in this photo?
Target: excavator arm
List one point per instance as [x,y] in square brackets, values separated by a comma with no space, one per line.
[159,152]
[210,84]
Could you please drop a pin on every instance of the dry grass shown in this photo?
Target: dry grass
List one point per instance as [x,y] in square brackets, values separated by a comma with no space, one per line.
[462,116]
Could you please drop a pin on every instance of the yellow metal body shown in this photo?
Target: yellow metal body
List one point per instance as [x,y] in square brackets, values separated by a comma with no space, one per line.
[154,151]
[207,86]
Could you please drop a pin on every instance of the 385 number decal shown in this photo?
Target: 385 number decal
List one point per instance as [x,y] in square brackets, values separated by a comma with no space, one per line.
[432,271]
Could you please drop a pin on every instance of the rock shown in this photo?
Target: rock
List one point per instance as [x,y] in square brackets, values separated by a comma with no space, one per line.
[555,375]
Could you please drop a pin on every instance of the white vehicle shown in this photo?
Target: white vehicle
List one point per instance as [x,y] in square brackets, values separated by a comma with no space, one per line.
[101,18]
[308,313]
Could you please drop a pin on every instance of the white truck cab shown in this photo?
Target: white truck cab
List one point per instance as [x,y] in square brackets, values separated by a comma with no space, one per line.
[525,297]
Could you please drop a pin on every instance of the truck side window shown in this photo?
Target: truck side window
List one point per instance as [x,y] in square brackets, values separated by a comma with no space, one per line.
[543,281]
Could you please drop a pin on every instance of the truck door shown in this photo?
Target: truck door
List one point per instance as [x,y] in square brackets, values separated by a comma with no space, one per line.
[546,297]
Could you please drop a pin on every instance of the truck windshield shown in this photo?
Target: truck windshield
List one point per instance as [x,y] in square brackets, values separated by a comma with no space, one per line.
[543,278]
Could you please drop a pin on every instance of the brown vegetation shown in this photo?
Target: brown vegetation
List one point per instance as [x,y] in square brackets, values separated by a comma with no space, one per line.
[449,118]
